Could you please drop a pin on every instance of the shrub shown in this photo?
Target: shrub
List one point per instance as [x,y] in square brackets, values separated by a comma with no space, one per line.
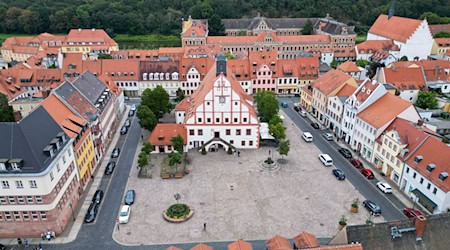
[203,151]
[230,151]
[177,211]
[355,203]
[343,221]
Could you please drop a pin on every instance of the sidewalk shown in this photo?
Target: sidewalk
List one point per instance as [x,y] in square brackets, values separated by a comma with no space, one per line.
[73,227]
[402,197]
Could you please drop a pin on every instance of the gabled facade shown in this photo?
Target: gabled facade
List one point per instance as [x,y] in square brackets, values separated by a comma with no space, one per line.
[159,73]
[90,42]
[407,81]
[335,108]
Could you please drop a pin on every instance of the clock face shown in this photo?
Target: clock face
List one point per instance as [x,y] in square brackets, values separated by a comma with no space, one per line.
[222,99]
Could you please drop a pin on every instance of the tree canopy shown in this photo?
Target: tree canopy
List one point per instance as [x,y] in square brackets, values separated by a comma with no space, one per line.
[267,105]
[147,119]
[157,100]
[6,111]
[283,148]
[308,28]
[427,100]
[180,95]
[177,143]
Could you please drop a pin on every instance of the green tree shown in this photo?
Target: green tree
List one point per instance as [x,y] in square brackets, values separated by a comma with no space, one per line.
[362,63]
[275,120]
[215,26]
[334,63]
[180,95]
[267,105]
[404,58]
[147,119]
[143,160]
[427,100]
[433,18]
[104,56]
[229,56]
[174,159]
[6,111]
[442,35]
[147,147]
[278,131]
[157,100]
[308,29]
[283,148]
[178,143]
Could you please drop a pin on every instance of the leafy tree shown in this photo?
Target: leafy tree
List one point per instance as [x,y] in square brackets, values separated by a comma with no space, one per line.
[433,18]
[143,160]
[275,120]
[215,26]
[157,100]
[362,63]
[174,159]
[104,56]
[404,58]
[267,105]
[147,147]
[278,131]
[308,28]
[6,111]
[283,148]
[180,95]
[229,56]
[334,63]
[427,100]
[442,35]
[147,119]
[177,143]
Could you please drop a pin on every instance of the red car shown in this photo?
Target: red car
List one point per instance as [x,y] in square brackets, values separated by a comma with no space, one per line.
[367,173]
[411,213]
[356,163]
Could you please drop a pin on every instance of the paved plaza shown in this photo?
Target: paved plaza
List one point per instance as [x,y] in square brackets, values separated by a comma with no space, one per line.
[238,200]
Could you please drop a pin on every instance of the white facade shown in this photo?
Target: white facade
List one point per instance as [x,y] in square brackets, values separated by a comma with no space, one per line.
[168,81]
[222,113]
[246,85]
[335,111]
[192,81]
[327,57]
[409,95]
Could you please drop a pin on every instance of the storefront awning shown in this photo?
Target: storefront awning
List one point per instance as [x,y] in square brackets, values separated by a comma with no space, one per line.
[424,200]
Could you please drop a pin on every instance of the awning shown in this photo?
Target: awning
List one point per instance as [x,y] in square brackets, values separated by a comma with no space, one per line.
[424,200]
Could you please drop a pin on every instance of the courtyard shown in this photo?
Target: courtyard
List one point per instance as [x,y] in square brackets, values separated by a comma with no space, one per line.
[237,199]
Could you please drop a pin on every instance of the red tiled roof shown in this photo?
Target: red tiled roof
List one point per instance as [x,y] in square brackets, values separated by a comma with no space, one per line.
[240,245]
[348,66]
[403,64]
[435,69]
[308,67]
[202,65]
[443,42]
[370,46]
[434,152]
[405,78]
[163,132]
[396,28]
[369,88]
[240,69]
[330,81]
[89,35]
[347,90]
[182,106]
[377,115]
[436,28]
[173,248]
[278,243]
[202,246]
[305,240]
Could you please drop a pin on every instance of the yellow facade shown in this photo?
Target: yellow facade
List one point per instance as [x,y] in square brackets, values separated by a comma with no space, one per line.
[439,50]
[84,49]
[25,106]
[85,156]
[386,154]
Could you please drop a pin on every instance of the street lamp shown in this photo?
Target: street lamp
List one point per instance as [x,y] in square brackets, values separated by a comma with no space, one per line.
[177,196]
[71,208]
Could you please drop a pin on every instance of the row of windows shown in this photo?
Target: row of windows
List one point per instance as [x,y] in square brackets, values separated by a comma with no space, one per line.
[421,181]
[227,132]
[243,143]
[12,200]
[227,120]
[23,216]
[19,184]
[127,84]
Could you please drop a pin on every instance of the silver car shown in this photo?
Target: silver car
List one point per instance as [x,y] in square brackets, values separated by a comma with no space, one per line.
[328,136]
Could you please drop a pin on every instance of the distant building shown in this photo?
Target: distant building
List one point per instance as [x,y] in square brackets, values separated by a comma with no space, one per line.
[381,51]
[90,42]
[159,73]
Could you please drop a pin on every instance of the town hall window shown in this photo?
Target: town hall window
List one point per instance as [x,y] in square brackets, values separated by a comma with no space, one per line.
[191,132]
[200,132]
[238,132]
[248,132]
[228,132]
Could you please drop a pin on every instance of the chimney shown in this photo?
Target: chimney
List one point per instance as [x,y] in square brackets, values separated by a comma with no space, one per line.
[17,116]
[221,65]
[436,70]
[420,222]
[391,9]
[420,123]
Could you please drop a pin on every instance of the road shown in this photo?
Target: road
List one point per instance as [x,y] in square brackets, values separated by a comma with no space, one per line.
[390,206]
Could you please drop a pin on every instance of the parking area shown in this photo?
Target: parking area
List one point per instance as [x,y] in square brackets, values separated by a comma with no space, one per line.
[238,200]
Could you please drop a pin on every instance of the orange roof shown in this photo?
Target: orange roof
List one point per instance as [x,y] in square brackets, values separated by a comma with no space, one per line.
[437,28]
[435,69]
[348,66]
[377,115]
[305,39]
[405,78]
[131,67]
[173,248]
[182,106]
[89,35]
[240,245]
[369,87]
[202,246]
[116,90]
[396,28]
[305,240]
[231,39]
[444,42]
[202,65]
[434,152]
[330,81]
[240,68]
[278,243]
[347,90]
[163,132]
[194,31]
[370,46]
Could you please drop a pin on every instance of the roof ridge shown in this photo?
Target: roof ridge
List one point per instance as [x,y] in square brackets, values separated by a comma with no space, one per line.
[417,148]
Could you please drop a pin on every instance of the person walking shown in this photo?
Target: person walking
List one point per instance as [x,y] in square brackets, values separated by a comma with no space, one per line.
[204,226]
[19,241]
[239,153]
[25,241]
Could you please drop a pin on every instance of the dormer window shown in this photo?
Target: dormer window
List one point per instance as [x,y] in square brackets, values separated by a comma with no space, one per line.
[144,76]
[443,176]
[430,167]
[167,76]
[150,76]
[418,158]
[161,138]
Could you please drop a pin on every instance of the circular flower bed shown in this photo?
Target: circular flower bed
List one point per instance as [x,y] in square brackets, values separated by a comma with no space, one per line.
[178,213]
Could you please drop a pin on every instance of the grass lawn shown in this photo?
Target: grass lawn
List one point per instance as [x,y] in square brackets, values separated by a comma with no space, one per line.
[151,41]
[4,36]
[166,169]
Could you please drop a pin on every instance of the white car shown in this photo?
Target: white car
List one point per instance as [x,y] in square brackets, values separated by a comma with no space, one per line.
[384,187]
[307,136]
[133,107]
[328,136]
[124,214]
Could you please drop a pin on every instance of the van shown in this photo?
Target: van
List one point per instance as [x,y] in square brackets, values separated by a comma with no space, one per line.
[307,136]
[302,113]
[326,160]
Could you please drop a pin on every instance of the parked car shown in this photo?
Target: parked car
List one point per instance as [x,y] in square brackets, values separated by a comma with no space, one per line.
[130,113]
[339,174]
[98,196]
[373,207]
[384,187]
[124,215]
[127,123]
[302,113]
[356,163]
[91,213]
[411,213]
[328,136]
[345,152]
[129,197]
[326,160]
[115,153]
[307,136]
[110,168]
[284,104]
[2,247]
[367,173]
[296,108]
[133,107]
[123,130]
[315,125]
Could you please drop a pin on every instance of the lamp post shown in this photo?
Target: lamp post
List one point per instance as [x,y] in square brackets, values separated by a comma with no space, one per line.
[177,196]
[71,208]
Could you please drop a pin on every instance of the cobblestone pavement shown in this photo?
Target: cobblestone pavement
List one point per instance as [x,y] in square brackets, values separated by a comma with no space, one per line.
[238,200]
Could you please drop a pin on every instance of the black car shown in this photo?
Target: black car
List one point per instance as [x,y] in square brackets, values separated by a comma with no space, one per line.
[98,196]
[315,125]
[91,213]
[345,152]
[339,174]
[131,113]
[373,207]
[127,123]
[2,247]
[296,108]
[123,130]
[115,153]
[110,168]
[129,197]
